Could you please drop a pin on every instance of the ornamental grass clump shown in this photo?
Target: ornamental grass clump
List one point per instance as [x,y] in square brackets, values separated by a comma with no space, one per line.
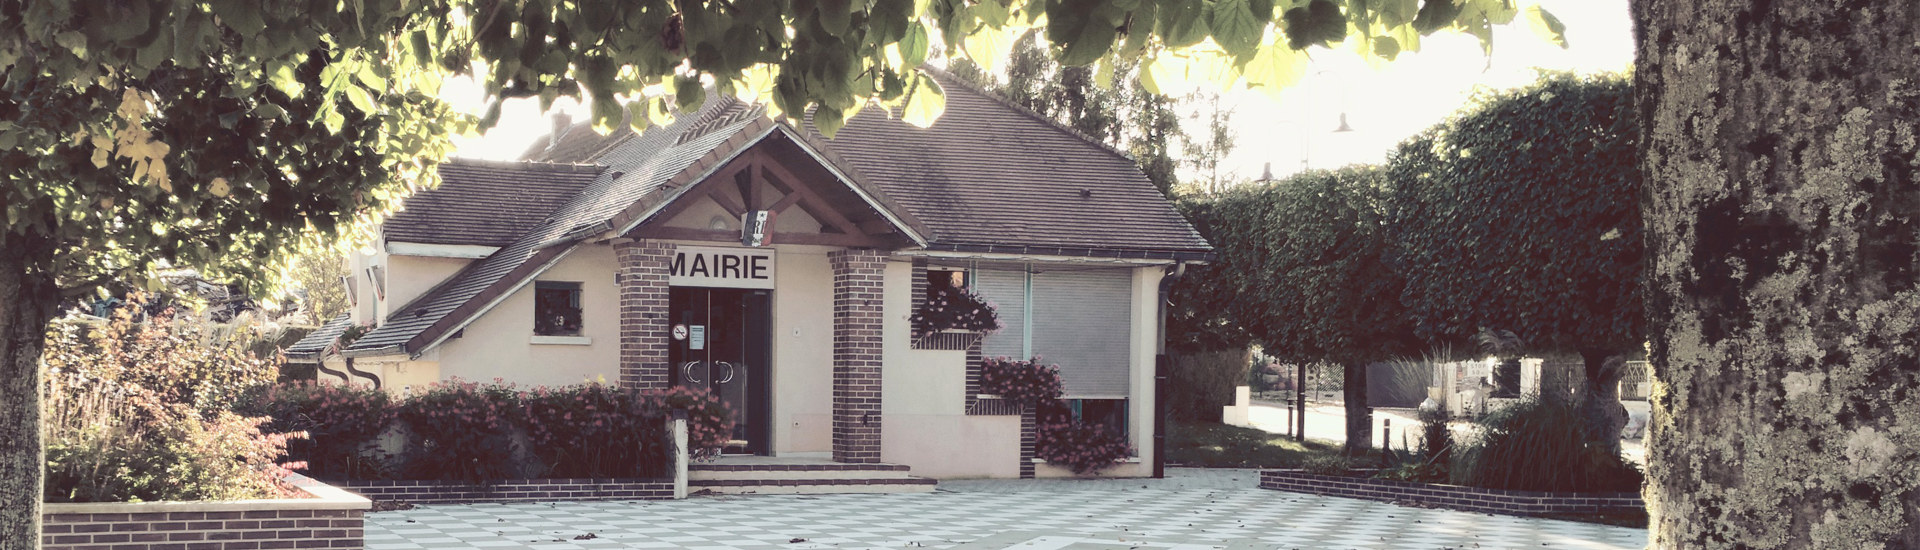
[138,412]
[1540,445]
[956,308]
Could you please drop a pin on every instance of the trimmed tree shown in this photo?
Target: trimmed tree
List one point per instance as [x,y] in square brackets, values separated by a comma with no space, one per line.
[1302,270]
[1521,214]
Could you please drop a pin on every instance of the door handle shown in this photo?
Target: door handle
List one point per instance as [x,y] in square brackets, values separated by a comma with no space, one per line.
[729,377]
[686,372]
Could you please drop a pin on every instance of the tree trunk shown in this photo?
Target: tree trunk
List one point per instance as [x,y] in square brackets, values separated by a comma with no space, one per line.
[1783,217]
[1600,399]
[1359,416]
[28,299]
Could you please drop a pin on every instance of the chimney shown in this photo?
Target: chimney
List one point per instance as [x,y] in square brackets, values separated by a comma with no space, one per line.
[1266,174]
[561,122]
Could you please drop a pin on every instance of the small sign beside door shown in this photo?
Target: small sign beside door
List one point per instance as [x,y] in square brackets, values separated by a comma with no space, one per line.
[679,332]
[697,337]
[721,267]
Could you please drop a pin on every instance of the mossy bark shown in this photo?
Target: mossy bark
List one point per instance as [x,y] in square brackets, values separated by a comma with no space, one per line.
[1783,216]
[28,299]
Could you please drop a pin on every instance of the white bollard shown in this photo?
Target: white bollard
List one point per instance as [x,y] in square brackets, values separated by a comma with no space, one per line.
[680,453]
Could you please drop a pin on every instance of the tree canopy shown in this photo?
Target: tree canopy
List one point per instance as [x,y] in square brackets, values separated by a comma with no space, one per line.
[1522,213]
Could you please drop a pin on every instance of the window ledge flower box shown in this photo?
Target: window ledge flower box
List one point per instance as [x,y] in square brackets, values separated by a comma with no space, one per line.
[947,340]
[562,340]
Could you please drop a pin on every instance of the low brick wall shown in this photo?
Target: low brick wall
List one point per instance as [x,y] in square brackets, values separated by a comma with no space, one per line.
[512,490]
[1472,499]
[332,519]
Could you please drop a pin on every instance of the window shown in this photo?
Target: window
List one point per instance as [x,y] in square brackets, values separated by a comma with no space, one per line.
[942,279]
[556,309]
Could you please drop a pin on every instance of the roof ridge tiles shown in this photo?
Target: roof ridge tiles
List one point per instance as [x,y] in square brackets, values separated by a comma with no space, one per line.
[574,167]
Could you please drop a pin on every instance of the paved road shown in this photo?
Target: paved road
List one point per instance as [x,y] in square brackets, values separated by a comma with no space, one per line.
[1329,423]
[1195,510]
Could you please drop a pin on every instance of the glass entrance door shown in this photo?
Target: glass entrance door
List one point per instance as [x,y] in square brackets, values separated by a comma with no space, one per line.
[721,342]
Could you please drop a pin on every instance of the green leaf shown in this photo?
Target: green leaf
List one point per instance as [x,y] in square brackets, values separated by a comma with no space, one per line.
[359,98]
[688,93]
[1083,36]
[1235,27]
[1547,26]
[836,16]
[1386,47]
[1183,23]
[1275,68]
[926,101]
[828,120]
[913,47]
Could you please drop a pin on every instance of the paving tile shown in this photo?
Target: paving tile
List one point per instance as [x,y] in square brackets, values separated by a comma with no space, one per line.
[1192,510]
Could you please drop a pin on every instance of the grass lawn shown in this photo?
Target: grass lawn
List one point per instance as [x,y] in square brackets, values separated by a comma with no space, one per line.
[1214,445]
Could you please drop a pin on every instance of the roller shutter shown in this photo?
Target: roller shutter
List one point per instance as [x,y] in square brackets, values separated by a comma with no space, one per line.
[1082,320]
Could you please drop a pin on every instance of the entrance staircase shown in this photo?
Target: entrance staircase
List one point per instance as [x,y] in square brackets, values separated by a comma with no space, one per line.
[788,476]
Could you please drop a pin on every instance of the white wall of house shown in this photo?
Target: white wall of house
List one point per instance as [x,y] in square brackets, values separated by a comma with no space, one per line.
[500,342]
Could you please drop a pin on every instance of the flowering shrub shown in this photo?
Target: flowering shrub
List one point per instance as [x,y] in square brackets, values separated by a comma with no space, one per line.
[592,430]
[1021,382]
[135,411]
[461,430]
[341,422]
[956,308]
[709,424]
[1083,447]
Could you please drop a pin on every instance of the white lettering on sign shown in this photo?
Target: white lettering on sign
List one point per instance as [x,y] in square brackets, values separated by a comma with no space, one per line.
[721,267]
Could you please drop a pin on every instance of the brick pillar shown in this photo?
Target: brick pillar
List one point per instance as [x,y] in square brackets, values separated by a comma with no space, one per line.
[858,279]
[644,322]
[1029,440]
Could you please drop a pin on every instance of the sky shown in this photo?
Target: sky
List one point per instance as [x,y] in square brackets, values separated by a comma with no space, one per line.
[1383,105]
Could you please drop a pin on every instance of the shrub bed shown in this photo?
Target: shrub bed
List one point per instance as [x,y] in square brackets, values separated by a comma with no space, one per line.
[139,412]
[477,433]
[1061,439]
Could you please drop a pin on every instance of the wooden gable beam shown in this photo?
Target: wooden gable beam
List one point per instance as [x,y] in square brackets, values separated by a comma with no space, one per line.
[785,202]
[719,196]
[811,202]
[690,196]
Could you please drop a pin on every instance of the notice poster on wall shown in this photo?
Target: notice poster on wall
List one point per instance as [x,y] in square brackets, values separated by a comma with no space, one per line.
[722,267]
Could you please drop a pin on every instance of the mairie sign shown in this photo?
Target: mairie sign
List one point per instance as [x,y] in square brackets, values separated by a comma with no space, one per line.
[721,267]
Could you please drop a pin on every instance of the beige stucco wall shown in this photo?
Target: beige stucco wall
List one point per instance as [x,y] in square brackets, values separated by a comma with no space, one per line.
[410,276]
[499,342]
[802,350]
[924,422]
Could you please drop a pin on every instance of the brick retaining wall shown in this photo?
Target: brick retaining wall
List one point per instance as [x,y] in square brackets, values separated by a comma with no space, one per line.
[1472,499]
[332,519]
[513,490]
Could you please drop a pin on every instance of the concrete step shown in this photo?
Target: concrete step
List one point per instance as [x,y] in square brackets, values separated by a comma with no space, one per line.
[908,484]
[811,471]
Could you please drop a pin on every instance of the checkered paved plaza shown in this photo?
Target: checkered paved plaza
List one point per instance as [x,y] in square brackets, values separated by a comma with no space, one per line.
[1191,510]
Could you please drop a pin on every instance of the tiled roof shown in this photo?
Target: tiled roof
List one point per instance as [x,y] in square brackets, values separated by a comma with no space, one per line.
[990,174]
[315,344]
[487,203]
[631,173]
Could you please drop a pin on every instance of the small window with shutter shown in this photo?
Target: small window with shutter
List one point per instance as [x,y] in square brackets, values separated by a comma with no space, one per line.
[556,308]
